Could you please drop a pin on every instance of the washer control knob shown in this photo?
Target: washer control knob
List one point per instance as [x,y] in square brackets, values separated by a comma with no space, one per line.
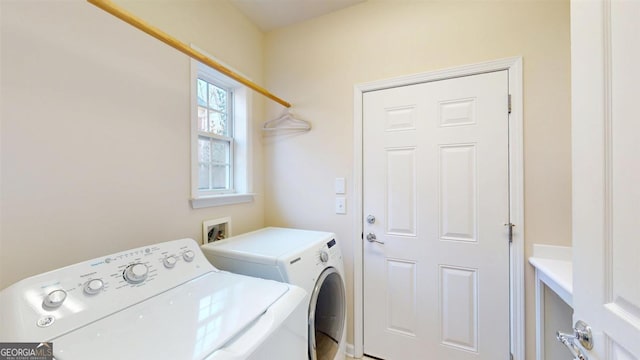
[324,256]
[188,256]
[136,273]
[169,261]
[93,287]
[54,299]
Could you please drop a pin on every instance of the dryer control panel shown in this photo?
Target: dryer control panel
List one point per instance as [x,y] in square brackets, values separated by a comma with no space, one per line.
[59,301]
[328,251]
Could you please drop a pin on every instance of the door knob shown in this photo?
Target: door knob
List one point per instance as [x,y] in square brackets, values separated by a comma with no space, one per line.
[371,219]
[582,333]
[371,237]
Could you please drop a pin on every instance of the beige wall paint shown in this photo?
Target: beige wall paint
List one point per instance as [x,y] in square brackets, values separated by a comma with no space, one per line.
[558,316]
[95,132]
[212,25]
[102,111]
[315,65]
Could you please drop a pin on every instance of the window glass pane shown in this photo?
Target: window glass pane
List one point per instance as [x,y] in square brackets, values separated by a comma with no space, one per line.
[220,152]
[202,119]
[214,155]
[218,123]
[219,176]
[217,98]
[202,92]
[204,149]
[203,176]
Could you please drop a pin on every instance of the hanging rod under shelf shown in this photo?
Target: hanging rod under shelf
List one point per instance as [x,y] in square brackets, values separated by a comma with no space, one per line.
[135,21]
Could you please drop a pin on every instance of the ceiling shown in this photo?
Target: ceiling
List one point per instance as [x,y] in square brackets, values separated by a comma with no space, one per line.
[273,14]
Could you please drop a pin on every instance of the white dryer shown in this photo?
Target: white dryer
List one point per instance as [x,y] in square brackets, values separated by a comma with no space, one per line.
[163,301]
[309,259]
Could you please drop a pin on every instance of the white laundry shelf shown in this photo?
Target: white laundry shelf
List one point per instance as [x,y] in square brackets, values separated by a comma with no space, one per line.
[557,275]
[554,271]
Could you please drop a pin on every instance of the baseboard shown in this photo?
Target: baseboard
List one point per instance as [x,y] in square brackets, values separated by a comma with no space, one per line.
[349,350]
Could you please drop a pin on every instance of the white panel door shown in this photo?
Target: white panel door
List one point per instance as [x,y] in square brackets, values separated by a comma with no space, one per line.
[435,167]
[606,174]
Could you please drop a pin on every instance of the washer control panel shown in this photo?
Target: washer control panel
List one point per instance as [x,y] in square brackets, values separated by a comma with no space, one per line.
[93,286]
[56,302]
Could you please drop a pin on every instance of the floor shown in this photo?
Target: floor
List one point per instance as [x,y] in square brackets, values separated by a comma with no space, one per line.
[327,348]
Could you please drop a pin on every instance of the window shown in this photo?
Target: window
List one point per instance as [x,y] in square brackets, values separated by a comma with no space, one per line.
[215,138]
[220,139]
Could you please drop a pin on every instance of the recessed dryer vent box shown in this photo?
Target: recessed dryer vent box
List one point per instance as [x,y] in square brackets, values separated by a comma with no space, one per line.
[214,230]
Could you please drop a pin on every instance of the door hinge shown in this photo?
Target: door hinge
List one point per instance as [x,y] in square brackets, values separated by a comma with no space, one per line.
[509,106]
[361,236]
[511,226]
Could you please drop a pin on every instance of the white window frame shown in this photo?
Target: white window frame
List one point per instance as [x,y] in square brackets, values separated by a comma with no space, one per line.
[205,74]
[240,151]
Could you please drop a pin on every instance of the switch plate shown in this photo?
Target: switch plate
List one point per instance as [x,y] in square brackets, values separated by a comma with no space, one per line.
[341,205]
[340,186]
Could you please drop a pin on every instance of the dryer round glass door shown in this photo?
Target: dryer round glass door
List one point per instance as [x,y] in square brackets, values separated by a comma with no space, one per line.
[327,310]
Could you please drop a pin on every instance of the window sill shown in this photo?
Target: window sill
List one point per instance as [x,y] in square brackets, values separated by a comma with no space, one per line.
[221,200]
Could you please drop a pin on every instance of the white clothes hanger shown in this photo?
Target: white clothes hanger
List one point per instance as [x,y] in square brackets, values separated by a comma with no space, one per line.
[286,121]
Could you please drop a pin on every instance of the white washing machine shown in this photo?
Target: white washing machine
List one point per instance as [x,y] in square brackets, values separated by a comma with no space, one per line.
[164,301]
[309,259]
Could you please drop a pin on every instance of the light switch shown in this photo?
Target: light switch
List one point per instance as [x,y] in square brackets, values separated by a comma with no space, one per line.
[340,186]
[341,205]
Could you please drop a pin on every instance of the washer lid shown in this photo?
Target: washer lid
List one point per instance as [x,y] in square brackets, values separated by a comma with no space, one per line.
[190,321]
[267,245]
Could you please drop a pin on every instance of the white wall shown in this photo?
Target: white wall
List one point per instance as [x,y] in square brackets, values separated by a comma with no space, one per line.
[315,65]
[95,154]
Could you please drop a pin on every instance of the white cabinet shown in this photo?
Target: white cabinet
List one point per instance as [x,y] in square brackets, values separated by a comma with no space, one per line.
[554,298]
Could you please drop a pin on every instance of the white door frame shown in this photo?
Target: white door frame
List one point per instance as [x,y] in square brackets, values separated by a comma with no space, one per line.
[516,191]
